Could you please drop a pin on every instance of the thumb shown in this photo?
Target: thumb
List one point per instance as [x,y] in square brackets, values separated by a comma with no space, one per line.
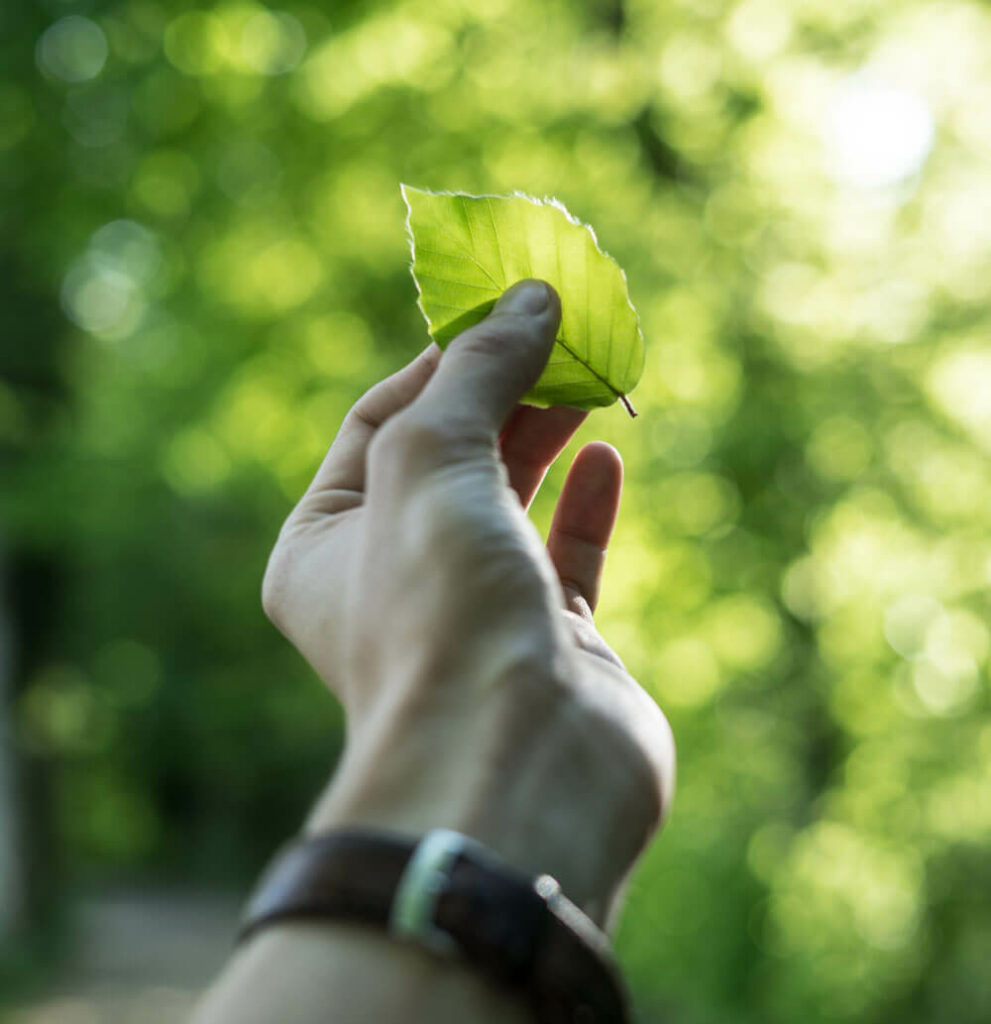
[487,369]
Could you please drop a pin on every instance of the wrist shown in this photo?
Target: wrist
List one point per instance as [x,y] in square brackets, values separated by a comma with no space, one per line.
[527,845]
[556,805]
[451,897]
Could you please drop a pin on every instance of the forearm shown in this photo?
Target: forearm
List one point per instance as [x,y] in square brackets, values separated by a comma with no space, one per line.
[338,973]
[330,973]
[479,697]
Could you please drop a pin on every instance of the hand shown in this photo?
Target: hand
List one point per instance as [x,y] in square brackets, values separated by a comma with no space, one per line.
[479,695]
[306,590]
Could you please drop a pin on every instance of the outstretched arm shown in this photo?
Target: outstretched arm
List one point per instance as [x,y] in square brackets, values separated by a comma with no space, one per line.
[479,695]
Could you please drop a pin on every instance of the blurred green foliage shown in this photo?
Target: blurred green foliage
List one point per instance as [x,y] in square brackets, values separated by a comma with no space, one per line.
[203,263]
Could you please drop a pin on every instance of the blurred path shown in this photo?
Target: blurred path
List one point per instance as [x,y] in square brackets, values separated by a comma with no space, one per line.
[143,955]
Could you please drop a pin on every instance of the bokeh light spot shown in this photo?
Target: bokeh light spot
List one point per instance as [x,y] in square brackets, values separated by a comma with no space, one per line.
[165,183]
[959,383]
[688,672]
[101,300]
[839,449]
[758,29]
[337,344]
[947,688]
[74,49]
[61,711]
[128,247]
[195,43]
[195,462]
[273,42]
[699,502]
[103,291]
[876,135]
[288,272]
[744,630]
[907,620]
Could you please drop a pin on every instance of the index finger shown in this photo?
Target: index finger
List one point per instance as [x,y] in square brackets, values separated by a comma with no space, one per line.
[339,483]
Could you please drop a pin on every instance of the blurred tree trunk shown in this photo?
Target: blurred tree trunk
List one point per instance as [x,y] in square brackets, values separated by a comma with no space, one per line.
[11,831]
[31,886]
[33,398]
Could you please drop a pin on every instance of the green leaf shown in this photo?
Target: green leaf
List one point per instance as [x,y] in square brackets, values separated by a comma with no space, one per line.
[467,250]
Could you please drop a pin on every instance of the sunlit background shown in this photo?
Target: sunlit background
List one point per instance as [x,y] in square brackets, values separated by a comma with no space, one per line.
[203,262]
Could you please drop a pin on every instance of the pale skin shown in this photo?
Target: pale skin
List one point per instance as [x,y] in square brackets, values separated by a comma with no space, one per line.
[479,695]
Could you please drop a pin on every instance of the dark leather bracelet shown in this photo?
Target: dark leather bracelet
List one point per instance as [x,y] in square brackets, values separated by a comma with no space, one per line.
[453,895]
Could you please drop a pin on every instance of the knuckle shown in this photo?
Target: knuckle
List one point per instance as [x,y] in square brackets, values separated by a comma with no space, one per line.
[491,337]
[483,340]
[489,344]
[408,433]
[416,442]
[536,696]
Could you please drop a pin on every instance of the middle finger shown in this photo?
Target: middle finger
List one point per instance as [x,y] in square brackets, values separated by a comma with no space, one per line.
[532,440]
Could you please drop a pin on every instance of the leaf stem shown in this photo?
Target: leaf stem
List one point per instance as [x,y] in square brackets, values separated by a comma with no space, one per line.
[627,404]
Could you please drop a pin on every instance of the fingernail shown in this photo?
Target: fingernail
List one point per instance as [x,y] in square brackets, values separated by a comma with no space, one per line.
[526,298]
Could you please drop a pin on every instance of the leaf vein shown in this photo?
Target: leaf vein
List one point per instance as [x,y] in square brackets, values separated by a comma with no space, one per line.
[460,256]
[495,235]
[578,359]
[455,282]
